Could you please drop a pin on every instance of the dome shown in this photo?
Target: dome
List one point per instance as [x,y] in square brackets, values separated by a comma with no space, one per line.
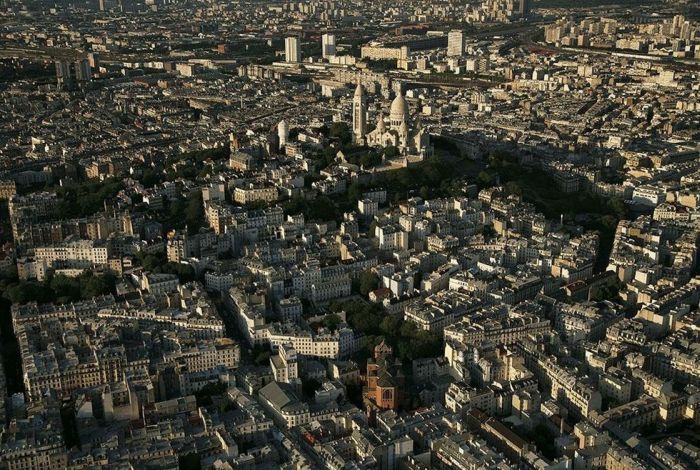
[359,91]
[282,126]
[381,128]
[399,109]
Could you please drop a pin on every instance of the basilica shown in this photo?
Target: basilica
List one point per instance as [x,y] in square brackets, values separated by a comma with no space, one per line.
[408,137]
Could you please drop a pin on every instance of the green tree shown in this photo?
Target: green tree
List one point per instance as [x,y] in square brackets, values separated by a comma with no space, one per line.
[322,208]
[309,387]
[424,192]
[391,324]
[369,281]
[184,272]
[84,199]
[391,152]
[354,192]
[262,358]
[93,286]
[28,291]
[609,222]
[67,289]
[513,188]
[617,206]
[370,159]
[191,461]
[153,262]
[194,214]
[362,316]
[151,177]
[485,179]
[340,131]
[331,321]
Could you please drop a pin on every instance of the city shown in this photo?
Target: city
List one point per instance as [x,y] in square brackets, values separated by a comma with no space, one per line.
[338,234]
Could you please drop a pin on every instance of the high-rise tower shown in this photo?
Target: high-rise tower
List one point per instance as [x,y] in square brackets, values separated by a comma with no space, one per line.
[524,8]
[328,45]
[455,43]
[291,50]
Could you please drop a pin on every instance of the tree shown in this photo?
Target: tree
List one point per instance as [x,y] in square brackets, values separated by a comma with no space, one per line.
[191,461]
[362,316]
[296,205]
[28,291]
[391,152]
[205,394]
[322,208]
[370,159]
[354,192]
[93,286]
[153,262]
[150,177]
[408,329]
[66,288]
[391,324]
[262,358]
[309,387]
[617,206]
[485,179]
[340,131]
[84,199]
[184,272]
[369,281]
[194,214]
[424,192]
[608,222]
[331,321]
[513,188]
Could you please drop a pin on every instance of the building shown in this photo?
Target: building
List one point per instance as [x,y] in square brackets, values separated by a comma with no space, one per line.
[524,8]
[285,365]
[455,44]
[8,188]
[292,53]
[332,345]
[252,193]
[33,443]
[476,330]
[288,409]
[367,207]
[328,45]
[615,385]
[74,254]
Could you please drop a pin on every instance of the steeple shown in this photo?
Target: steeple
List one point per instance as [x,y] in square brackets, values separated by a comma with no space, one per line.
[359,115]
[282,133]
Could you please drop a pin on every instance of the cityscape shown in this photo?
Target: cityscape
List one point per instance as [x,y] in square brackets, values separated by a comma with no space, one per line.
[347,235]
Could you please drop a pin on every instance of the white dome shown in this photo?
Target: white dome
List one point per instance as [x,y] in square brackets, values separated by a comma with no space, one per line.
[381,128]
[399,109]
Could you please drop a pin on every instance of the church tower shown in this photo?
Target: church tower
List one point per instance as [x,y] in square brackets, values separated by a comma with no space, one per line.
[359,115]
